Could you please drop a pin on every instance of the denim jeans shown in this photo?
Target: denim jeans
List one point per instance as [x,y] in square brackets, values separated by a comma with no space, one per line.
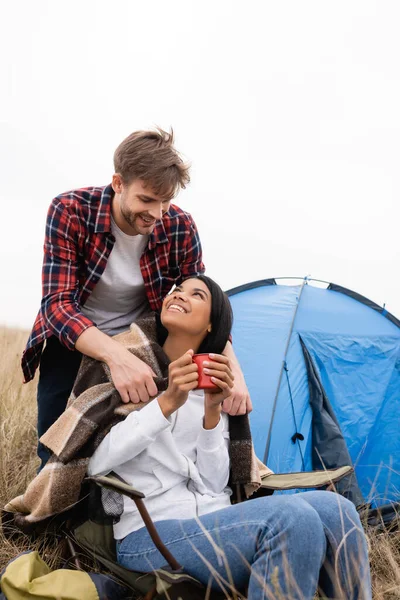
[280,546]
[58,369]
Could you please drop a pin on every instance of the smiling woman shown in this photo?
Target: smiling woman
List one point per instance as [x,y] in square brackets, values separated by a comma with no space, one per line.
[202,299]
[177,450]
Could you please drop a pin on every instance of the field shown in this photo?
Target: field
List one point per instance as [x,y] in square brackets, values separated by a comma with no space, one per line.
[18,464]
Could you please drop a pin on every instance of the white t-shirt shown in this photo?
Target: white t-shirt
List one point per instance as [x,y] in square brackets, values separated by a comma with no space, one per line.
[119,296]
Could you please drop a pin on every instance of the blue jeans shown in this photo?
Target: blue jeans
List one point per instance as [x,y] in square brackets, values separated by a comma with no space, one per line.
[280,546]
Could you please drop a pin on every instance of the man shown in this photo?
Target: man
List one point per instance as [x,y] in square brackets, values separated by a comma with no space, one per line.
[110,255]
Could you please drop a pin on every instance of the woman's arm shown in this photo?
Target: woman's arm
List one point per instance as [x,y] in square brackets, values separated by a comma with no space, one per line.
[213,456]
[213,441]
[128,438]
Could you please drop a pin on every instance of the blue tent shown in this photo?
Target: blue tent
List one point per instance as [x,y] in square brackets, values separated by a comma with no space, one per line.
[323,369]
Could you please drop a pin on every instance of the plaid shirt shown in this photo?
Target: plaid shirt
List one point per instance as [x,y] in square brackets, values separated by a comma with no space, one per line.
[77,245]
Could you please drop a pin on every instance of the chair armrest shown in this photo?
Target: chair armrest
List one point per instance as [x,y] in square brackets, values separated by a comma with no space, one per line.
[112,483]
[305,479]
[118,485]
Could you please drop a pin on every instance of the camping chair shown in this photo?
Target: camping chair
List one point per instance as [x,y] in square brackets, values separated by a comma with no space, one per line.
[97,541]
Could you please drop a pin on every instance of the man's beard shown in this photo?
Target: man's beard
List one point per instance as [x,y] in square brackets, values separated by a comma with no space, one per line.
[129,217]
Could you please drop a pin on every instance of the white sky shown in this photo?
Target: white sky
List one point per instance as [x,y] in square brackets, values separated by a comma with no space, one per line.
[288,111]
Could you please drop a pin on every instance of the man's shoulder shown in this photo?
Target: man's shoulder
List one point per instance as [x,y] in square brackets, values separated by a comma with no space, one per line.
[90,207]
[88,196]
[178,216]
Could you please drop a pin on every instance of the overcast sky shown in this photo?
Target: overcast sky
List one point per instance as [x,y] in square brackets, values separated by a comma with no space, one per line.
[288,112]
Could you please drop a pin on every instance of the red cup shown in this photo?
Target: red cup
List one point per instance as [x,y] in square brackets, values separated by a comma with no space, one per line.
[205,382]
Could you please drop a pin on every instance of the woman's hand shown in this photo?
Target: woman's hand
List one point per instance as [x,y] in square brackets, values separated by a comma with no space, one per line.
[182,378]
[219,369]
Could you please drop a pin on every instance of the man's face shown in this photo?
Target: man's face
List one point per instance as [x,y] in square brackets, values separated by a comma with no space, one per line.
[136,208]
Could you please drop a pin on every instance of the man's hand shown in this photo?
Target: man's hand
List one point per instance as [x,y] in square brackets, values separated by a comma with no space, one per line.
[132,378]
[238,402]
[183,377]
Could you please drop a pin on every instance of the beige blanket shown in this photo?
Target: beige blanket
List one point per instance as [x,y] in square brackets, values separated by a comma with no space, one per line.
[93,408]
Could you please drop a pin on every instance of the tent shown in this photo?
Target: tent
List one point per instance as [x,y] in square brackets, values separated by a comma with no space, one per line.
[322,364]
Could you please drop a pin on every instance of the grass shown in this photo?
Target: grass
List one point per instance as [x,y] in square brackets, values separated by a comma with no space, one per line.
[18,460]
[18,464]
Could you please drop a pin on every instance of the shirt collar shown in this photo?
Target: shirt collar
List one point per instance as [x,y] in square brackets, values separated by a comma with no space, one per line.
[103,220]
[159,235]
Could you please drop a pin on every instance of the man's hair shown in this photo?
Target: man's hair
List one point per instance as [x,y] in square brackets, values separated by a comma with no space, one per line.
[151,157]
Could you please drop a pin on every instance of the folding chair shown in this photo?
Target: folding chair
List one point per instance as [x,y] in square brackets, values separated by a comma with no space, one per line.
[172,582]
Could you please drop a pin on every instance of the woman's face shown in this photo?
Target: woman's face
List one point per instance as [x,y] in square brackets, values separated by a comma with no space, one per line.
[188,308]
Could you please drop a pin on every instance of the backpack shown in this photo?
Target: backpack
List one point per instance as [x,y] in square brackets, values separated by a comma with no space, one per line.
[28,577]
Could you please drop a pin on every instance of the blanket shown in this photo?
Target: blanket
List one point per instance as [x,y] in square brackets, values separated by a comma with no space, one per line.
[93,408]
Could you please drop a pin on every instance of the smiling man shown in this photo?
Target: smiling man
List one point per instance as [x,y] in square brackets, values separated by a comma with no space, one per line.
[111,254]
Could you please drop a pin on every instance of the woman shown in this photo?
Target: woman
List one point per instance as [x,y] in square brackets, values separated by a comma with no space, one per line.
[176,451]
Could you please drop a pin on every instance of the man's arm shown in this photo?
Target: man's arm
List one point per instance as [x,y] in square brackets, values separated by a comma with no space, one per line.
[62,312]
[60,283]
[239,402]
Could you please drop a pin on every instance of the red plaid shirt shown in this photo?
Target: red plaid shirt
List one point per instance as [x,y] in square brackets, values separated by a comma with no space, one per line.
[77,245]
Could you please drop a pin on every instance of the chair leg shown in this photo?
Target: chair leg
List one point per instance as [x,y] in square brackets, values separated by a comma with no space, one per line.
[173,563]
[151,594]
[74,554]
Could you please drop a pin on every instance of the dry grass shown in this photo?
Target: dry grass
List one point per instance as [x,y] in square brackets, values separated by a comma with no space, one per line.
[18,463]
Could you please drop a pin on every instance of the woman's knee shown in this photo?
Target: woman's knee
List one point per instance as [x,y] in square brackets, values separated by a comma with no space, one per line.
[331,505]
[293,535]
[302,515]
[292,515]
[338,515]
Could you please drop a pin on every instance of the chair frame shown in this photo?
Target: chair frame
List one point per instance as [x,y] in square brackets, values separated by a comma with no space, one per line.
[271,483]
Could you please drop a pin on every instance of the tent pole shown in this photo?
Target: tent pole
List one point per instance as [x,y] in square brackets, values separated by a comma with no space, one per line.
[267,446]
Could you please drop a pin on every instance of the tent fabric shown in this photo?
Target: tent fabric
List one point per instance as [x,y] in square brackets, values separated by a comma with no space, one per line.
[380,309]
[355,350]
[329,449]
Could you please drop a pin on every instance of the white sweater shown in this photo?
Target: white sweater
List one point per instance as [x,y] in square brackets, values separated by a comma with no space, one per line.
[182,468]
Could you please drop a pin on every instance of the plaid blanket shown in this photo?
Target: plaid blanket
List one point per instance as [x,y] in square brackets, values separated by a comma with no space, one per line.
[93,408]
